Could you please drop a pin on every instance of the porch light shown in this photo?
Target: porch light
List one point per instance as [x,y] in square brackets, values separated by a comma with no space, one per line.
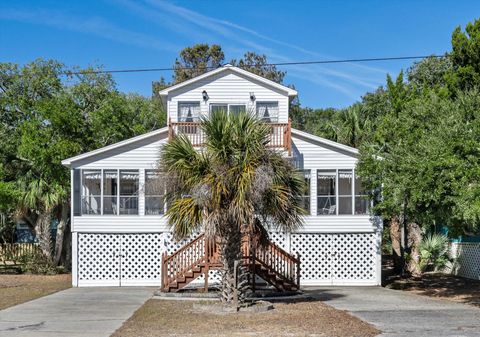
[205,95]
[252,96]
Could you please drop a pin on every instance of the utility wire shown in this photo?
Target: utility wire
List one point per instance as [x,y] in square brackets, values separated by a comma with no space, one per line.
[142,70]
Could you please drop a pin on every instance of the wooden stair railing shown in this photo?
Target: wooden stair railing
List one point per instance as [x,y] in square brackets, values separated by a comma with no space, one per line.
[273,264]
[182,267]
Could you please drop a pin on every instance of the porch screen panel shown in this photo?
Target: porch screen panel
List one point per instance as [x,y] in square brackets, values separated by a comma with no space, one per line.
[110,192]
[326,198]
[77,191]
[361,198]
[129,184]
[345,184]
[154,193]
[91,191]
[306,190]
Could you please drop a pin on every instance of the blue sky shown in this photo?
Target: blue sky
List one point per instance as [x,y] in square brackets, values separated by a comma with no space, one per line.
[150,33]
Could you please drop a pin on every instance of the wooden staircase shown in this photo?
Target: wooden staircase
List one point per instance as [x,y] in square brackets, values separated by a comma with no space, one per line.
[273,264]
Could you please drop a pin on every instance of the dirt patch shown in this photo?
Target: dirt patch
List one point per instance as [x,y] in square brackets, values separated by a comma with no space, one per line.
[305,318]
[16,289]
[443,286]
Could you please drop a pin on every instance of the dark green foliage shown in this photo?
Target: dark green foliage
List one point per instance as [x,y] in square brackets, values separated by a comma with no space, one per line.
[47,116]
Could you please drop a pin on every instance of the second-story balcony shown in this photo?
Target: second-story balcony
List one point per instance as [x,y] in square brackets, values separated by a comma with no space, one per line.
[280,134]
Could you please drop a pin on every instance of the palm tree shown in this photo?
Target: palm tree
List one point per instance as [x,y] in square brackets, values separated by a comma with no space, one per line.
[233,187]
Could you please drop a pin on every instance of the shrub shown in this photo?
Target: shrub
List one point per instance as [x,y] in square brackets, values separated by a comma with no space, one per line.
[36,263]
[434,250]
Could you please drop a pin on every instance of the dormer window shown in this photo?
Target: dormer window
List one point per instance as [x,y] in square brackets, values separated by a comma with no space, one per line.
[188,111]
[268,111]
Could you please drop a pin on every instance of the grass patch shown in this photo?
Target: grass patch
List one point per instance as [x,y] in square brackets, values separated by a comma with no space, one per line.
[306,318]
[16,289]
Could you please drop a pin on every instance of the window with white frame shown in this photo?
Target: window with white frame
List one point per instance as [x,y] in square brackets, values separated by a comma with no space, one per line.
[326,192]
[91,191]
[129,184]
[154,193]
[267,111]
[228,108]
[306,190]
[362,201]
[345,185]
[188,111]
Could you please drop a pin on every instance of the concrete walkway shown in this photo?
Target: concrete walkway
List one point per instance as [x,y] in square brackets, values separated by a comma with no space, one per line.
[398,313]
[75,312]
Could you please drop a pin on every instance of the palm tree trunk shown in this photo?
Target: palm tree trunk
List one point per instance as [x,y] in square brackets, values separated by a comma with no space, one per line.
[42,232]
[61,228]
[230,252]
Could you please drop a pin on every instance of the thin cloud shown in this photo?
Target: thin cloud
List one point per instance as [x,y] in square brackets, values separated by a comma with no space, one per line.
[224,28]
[90,25]
[334,79]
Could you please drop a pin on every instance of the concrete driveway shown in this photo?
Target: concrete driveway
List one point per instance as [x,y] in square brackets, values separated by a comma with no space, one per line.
[75,312]
[398,313]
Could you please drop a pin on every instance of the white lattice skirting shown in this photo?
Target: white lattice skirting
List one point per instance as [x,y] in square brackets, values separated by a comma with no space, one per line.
[467,259]
[135,259]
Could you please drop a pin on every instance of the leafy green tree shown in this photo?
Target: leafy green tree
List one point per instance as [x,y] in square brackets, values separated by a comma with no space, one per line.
[465,57]
[258,64]
[44,119]
[235,187]
[196,60]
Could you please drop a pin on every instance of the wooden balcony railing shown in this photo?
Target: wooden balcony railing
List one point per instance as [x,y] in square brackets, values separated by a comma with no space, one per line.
[280,135]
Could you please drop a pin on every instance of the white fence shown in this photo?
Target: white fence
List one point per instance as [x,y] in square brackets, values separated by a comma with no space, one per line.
[467,259]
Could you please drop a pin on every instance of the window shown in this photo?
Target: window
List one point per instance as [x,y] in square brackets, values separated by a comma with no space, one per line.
[129,184]
[217,107]
[345,184]
[326,199]
[91,191]
[154,193]
[268,111]
[188,111]
[361,198]
[306,191]
[110,192]
[230,108]
[237,109]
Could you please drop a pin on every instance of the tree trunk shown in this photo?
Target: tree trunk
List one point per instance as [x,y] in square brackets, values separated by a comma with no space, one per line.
[230,246]
[43,234]
[395,237]
[413,241]
[61,228]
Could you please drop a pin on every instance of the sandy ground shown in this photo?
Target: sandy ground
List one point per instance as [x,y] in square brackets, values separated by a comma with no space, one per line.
[305,318]
[443,286]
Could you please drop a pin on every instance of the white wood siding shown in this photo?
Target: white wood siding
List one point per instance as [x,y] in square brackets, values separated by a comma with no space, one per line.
[120,224]
[143,154]
[227,87]
[315,156]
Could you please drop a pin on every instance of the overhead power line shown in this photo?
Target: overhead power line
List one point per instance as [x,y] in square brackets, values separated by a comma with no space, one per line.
[142,70]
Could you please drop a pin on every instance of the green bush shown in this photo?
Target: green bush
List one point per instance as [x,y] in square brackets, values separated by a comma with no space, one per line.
[36,263]
[434,254]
